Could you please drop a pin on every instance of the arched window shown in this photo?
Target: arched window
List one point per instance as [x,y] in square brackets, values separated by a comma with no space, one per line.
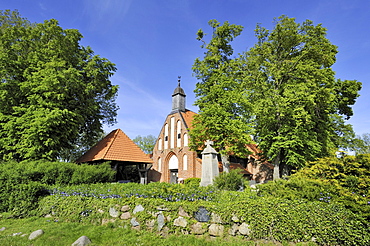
[186,139]
[178,133]
[159,164]
[166,136]
[173,163]
[160,144]
[185,162]
[172,135]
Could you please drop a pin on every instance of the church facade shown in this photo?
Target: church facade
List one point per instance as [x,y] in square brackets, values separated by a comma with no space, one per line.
[174,161]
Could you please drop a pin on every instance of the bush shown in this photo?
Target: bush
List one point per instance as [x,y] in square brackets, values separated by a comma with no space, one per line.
[20,199]
[274,218]
[230,181]
[22,184]
[192,182]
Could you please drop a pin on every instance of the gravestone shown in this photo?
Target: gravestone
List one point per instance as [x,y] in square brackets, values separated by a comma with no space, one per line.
[209,164]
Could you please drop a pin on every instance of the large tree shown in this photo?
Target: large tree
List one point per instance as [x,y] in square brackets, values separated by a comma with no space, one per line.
[361,144]
[146,143]
[223,110]
[53,91]
[300,107]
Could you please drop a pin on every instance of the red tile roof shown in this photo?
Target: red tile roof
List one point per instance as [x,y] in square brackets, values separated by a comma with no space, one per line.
[116,146]
[188,117]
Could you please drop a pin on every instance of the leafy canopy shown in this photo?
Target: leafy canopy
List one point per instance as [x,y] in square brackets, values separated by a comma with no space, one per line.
[223,112]
[53,91]
[146,143]
[300,108]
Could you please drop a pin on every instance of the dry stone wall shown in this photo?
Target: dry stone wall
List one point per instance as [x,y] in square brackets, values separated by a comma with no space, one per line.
[166,221]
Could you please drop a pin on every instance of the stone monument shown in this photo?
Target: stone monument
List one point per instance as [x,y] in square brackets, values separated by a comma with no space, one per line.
[209,164]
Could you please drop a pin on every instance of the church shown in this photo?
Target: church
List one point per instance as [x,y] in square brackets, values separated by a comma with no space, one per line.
[174,161]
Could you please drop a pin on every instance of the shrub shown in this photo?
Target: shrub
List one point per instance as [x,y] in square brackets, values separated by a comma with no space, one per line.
[192,182]
[232,180]
[22,184]
[20,199]
[278,219]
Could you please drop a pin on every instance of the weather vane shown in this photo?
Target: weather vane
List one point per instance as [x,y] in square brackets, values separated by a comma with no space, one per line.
[179,79]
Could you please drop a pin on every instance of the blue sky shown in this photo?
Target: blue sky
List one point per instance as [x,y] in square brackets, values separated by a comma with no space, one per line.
[152,42]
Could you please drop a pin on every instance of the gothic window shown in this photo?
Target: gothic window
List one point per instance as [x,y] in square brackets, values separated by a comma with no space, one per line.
[172,138]
[185,162]
[160,144]
[166,136]
[186,139]
[178,130]
[159,164]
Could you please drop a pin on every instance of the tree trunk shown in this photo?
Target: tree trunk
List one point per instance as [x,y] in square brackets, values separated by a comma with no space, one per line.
[276,174]
[225,163]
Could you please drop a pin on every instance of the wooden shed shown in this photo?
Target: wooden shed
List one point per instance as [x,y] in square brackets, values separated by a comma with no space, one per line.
[130,162]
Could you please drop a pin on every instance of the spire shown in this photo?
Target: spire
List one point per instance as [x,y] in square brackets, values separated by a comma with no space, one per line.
[178,89]
[178,98]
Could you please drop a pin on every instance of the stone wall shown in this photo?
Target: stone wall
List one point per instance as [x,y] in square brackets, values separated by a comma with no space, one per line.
[165,221]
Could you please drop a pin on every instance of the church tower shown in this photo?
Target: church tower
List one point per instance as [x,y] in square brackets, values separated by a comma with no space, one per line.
[178,99]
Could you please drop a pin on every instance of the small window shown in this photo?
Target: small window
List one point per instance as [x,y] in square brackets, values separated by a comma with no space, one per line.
[166,138]
[179,135]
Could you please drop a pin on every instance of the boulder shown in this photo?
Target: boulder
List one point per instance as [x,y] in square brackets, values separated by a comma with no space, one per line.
[35,234]
[244,229]
[197,229]
[125,208]
[125,216]
[138,208]
[180,221]
[216,230]
[82,241]
[134,222]
[182,213]
[113,212]
[160,221]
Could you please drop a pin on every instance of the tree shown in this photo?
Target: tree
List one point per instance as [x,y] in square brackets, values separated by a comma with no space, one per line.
[145,143]
[361,144]
[79,148]
[300,107]
[223,110]
[53,91]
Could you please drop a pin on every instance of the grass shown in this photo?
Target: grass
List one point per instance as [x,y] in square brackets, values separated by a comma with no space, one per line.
[65,233]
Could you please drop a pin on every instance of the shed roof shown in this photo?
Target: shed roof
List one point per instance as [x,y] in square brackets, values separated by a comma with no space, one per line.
[116,146]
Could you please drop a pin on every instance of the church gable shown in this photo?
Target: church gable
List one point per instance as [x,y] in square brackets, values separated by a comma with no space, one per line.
[174,133]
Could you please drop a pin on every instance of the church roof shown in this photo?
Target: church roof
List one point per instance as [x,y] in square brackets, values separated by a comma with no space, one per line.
[116,146]
[188,117]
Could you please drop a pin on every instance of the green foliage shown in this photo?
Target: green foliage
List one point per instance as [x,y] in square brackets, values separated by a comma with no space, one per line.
[53,91]
[20,199]
[232,180]
[223,111]
[281,219]
[349,177]
[23,184]
[59,233]
[193,182]
[361,144]
[145,143]
[299,106]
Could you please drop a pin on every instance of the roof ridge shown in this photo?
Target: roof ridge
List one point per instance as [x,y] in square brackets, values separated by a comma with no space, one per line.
[111,143]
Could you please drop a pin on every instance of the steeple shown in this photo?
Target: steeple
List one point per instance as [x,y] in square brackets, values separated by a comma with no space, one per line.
[178,98]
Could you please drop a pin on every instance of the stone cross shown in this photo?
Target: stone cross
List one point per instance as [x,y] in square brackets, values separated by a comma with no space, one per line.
[209,164]
[208,143]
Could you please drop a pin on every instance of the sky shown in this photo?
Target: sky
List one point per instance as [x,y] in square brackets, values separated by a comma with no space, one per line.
[152,42]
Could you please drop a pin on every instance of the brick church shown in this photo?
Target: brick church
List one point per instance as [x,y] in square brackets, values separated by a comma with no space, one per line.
[174,161]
